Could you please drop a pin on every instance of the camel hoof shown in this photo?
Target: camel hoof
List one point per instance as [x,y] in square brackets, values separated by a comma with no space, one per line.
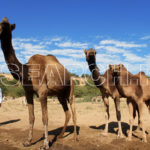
[44,147]
[76,139]
[128,139]
[144,140]
[120,136]
[104,134]
[27,143]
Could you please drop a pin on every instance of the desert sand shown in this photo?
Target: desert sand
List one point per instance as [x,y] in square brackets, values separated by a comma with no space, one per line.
[90,122]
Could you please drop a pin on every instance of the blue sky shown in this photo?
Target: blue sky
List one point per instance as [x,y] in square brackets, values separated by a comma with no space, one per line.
[118,29]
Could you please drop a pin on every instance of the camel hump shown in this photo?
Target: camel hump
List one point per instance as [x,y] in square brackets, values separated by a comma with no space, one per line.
[53,57]
[50,55]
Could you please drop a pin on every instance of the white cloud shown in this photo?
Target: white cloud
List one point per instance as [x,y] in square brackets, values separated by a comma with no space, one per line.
[130,57]
[25,40]
[145,37]
[2,57]
[71,54]
[65,51]
[55,39]
[99,36]
[74,53]
[121,43]
[72,44]
[108,59]
[50,41]
[119,51]
[111,49]
[73,65]
[4,68]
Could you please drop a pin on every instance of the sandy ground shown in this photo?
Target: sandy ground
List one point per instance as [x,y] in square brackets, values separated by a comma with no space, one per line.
[90,121]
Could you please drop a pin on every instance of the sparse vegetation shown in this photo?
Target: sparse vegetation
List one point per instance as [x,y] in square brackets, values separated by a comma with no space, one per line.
[76,82]
[14,89]
[85,75]
[11,87]
[87,91]
[73,75]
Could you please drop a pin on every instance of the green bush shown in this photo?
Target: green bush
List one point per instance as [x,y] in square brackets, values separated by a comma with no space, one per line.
[14,89]
[11,87]
[88,91]
[76,82]
[85,76]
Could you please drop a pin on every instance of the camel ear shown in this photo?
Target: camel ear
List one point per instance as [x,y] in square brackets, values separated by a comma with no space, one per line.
[13,26]
[95,51]
[85,52]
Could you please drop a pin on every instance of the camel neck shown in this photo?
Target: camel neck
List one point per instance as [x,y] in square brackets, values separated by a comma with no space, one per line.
[97,77]
[14,66]
[122,81]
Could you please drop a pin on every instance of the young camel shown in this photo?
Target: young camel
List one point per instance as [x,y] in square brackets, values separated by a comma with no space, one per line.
[43,76]
[136,89]
[107,88]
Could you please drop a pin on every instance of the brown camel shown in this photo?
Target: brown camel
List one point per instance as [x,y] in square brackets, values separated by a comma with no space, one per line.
[43,76]
[136,88]
[106,86]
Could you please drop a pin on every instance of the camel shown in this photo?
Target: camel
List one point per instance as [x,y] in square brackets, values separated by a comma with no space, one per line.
[43,76]
[136,89]
[107,88]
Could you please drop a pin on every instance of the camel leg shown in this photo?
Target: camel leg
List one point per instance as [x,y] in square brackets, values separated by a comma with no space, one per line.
[73,110]
[67,116]
[148,105]
[30,102]
[43,100]
[140,105]
[107,116]
[118,114]
[131,120]
[134,115]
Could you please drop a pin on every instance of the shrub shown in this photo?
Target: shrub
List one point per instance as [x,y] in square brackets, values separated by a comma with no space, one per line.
[76,82]
[11,87]
[88,91]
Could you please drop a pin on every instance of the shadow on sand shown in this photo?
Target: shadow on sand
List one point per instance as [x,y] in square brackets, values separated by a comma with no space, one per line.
[56,132]
[112,126]
[8,122]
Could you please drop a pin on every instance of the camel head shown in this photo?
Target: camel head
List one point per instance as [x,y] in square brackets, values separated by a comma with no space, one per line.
[90,55]
[115,69]
[6,29]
